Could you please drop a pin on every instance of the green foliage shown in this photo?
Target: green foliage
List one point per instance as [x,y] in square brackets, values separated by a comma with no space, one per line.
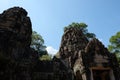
[57,55]
[46,57]
[84,29]
[114,47]
[38,43]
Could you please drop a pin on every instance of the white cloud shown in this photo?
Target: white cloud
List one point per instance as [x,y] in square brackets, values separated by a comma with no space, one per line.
[51,50]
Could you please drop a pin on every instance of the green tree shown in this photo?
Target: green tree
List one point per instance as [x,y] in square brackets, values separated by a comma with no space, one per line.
[57,55]
[83,27]
[38,43]
[114,47]
[46,57]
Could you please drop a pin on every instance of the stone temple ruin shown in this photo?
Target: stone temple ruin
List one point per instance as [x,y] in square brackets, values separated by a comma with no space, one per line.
[89,60]
[80,59]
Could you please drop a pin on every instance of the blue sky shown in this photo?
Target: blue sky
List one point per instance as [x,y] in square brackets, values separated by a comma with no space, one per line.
[49,17]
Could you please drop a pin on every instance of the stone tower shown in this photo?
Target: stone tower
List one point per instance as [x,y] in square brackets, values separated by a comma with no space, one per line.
[89,60]
[17,59]
[72,42]
[99,63]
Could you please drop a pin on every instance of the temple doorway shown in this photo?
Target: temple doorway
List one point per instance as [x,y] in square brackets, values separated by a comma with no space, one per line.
[102,74]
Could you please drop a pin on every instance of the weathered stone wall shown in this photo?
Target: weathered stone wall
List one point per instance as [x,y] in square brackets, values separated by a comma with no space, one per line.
[96,55]
[16,57]
[72,42]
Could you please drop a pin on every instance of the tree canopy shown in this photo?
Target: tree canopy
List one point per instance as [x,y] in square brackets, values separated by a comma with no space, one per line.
[114,47]
[46,57]
[84,29]
[38,43]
